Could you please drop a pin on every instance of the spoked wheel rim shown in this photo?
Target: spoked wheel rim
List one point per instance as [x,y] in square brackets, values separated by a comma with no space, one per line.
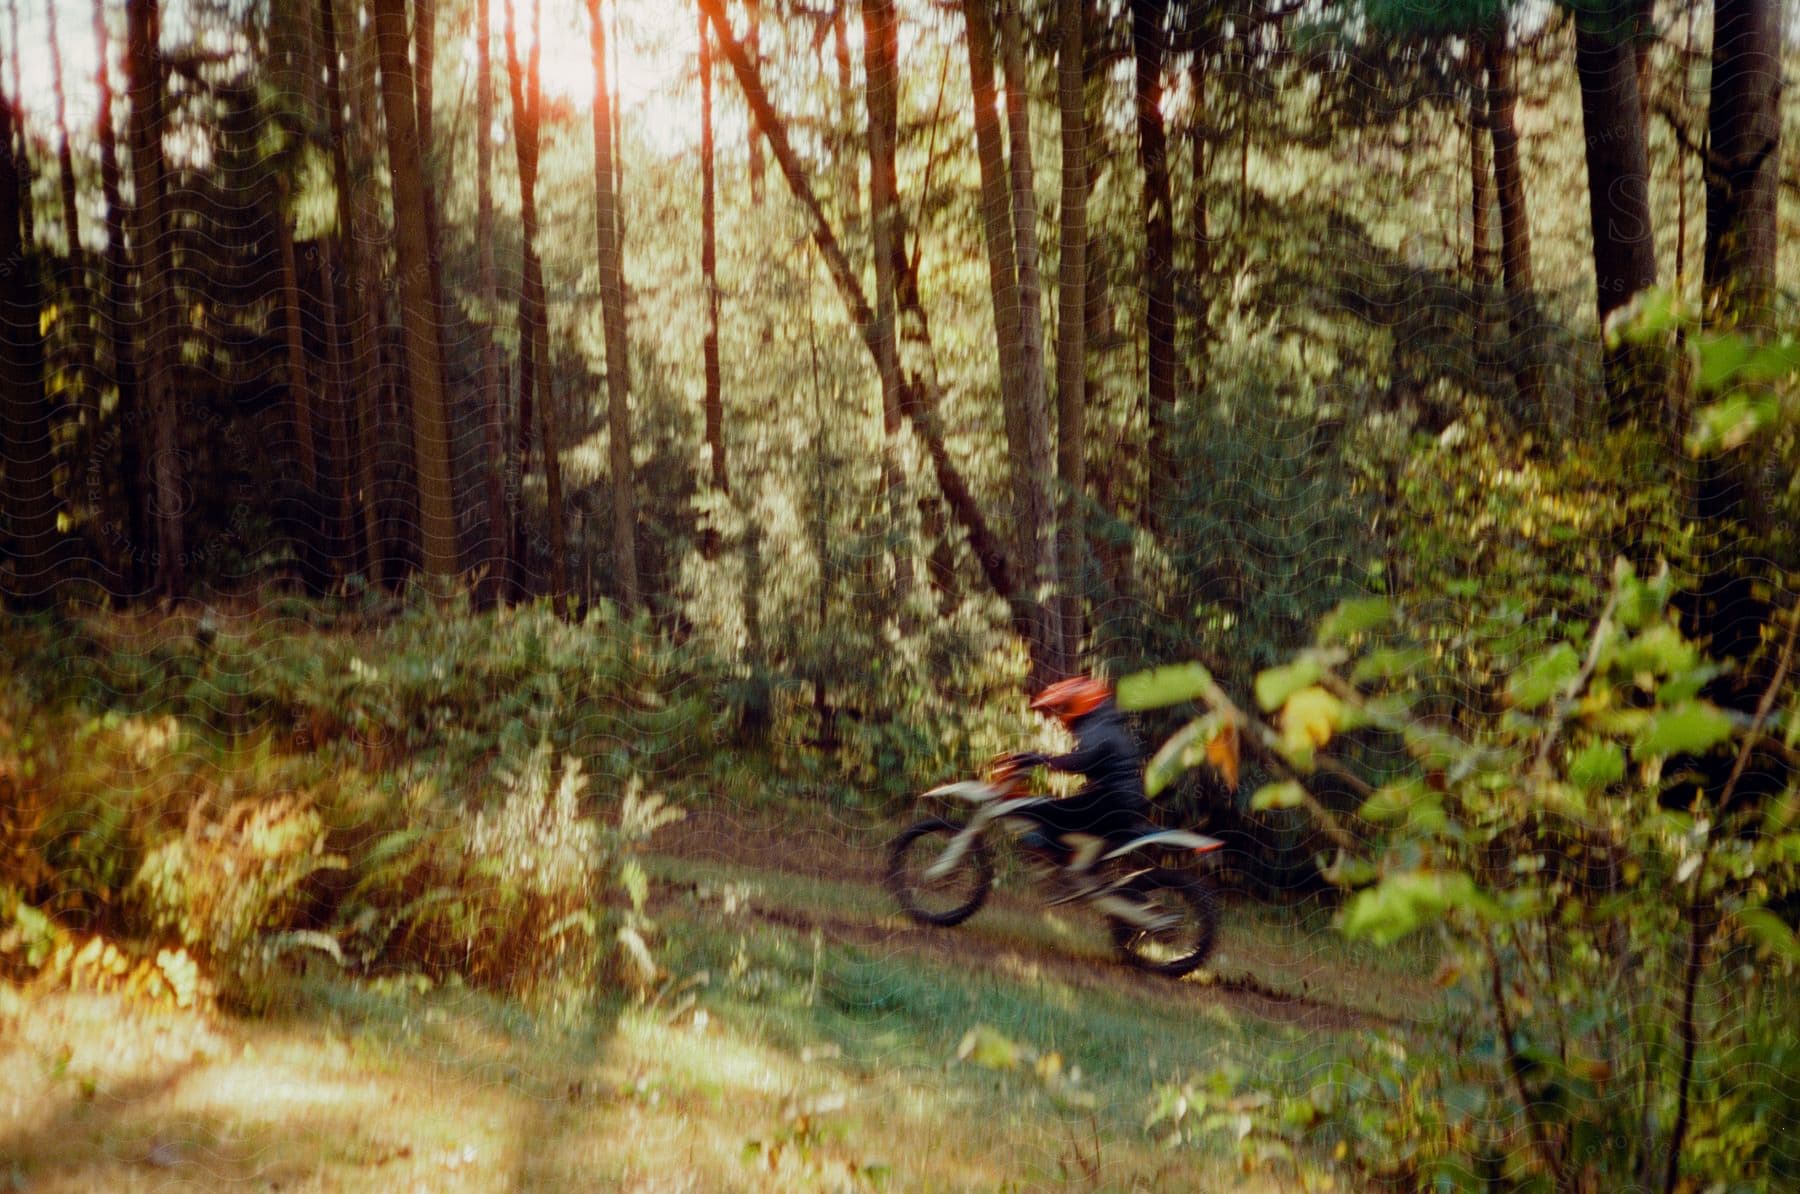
[1184,924]
[946,899]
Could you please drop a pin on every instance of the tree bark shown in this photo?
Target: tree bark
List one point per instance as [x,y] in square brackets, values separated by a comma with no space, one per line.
[30,489]
[534,355]
[1743,166]
[1150,44]
[609,252]
[1071,325]
[143,59]
[1026,419]
[425,370]
[299,390]
[1618,167]
[1515,226]
[22,150]
[880,59]
[65,154]
[493,401]
[130,535]
[713,401]
[354,328]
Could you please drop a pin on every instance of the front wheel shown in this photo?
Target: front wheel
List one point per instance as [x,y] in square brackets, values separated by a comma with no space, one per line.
[947,899]
[1182,916]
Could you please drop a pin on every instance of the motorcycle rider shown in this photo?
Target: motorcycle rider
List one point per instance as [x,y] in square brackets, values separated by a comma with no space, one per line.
[1111,805]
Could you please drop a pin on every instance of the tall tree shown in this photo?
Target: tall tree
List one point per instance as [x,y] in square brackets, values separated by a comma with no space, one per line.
[27,466]
[609,253]
[881,65]
[1743,164]
[1026,417]
[921,405]
[131,534]
[1515,224]
[1618,168]
[526,83]
[1149,40]
[144,73]
[425,371]
[713,401]
[65,153]
[21,143]
[1071,324]
[493,402]
[299,384]
[357,335]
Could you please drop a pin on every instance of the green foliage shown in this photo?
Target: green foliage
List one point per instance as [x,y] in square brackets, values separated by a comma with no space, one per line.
[1588,860]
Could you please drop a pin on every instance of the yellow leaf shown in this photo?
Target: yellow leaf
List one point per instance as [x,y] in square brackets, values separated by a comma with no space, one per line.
[1222,753]
[1309,719]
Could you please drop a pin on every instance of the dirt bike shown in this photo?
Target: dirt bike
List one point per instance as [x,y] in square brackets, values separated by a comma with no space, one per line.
[1162,919]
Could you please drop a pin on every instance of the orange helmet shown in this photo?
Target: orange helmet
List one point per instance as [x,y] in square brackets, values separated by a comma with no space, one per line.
[1072,698]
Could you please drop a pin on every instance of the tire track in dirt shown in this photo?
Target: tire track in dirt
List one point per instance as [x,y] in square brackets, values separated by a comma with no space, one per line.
[815,852]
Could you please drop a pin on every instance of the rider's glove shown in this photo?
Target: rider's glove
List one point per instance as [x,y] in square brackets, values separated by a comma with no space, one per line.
[1027,758]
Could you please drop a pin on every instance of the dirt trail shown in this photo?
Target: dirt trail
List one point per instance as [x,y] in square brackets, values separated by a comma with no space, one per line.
[849,853]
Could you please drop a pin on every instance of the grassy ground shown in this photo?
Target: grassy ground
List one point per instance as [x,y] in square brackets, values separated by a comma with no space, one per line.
[807,1040]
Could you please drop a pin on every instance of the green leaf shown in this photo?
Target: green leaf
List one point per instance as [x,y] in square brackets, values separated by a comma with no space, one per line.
[1286,794]
[1771,932]
[1391,802]
[1354,617]
[1660,650]
[1730,423]
[1274,686]
[988,1048]
[1403,903]
[1544,677]
[1390,662]
[1185,747]
[1719,357]
[1772,362]
[1163,686]
[1689,728]
[1598,766]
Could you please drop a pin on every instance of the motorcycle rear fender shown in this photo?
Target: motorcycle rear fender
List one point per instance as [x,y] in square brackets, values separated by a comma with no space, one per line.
[1173,839]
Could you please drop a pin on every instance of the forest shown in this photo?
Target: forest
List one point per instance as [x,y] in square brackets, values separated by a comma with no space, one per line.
[508,506]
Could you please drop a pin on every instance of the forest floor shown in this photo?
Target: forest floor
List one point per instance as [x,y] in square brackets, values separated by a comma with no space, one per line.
[807,1039]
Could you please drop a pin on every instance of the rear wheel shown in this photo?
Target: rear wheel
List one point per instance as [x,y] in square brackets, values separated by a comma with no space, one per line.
[947,899]
[1183,923]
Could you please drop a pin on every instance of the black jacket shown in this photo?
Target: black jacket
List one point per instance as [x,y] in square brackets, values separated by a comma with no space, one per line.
[1107,754]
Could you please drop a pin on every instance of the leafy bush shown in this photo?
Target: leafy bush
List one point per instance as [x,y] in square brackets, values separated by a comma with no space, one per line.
[1607,879]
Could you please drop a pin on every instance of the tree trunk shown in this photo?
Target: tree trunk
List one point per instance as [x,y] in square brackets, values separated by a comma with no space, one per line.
[524,138]
[713,401]
[299,390]
[130,536]
[1618,167]
[1150,42]
[609,253]
[1026,419]
[1743,167]
[143,60]
[1481,198]
[21,151]
[919,405]
[425,371]
[30,489]
[493,402]
[65,154]
[1033,386]
[1515,227]
[880,58]
[354,330]
[753,49]
[525,81]
[1071,324]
